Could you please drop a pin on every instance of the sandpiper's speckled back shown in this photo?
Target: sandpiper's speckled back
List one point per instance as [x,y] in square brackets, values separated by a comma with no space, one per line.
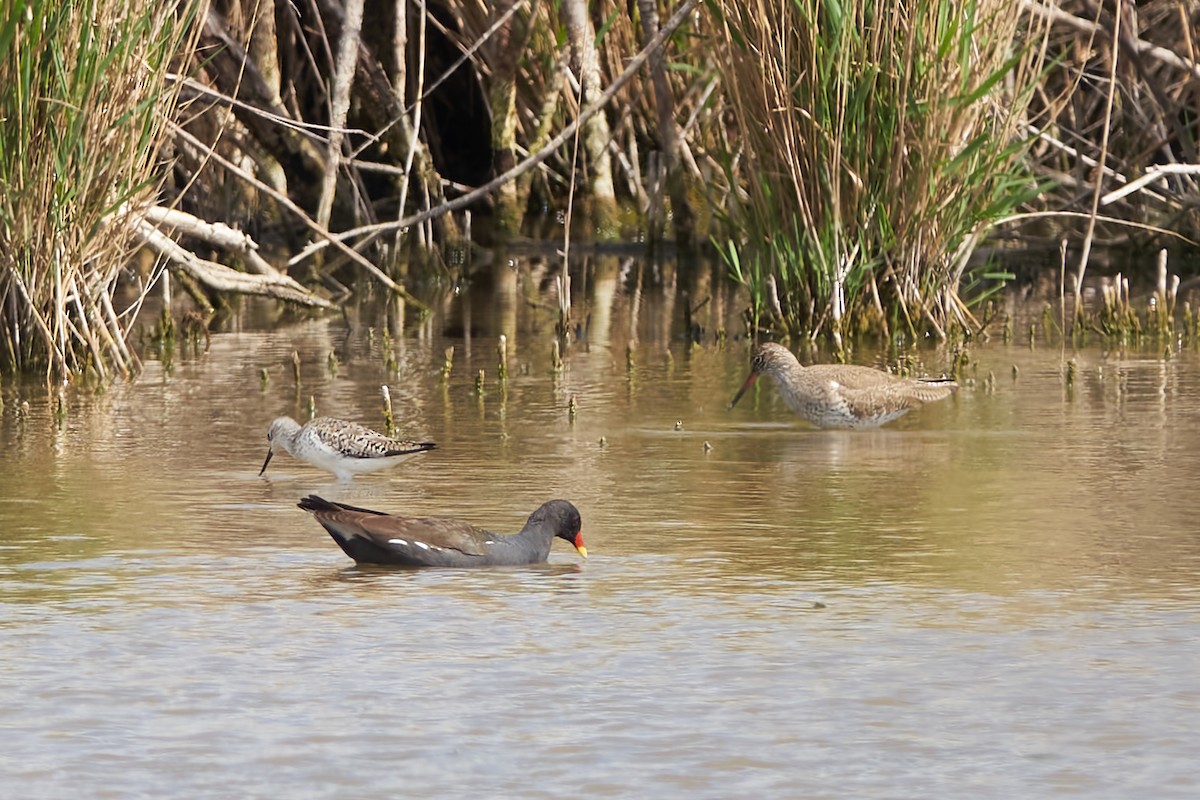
[339,446]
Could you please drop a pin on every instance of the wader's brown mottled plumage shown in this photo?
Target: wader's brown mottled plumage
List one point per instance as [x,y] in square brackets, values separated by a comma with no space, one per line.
[841,395]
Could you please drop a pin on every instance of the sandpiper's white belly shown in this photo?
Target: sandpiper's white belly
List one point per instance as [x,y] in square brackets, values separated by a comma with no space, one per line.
[344,460]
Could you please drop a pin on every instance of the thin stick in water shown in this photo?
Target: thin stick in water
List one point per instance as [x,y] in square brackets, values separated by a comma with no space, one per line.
[389,421]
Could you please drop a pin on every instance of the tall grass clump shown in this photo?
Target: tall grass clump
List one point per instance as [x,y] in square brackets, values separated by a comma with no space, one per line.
[880,140]
[82,91]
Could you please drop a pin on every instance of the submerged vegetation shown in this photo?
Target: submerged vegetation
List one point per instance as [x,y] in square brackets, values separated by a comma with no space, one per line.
[846,158]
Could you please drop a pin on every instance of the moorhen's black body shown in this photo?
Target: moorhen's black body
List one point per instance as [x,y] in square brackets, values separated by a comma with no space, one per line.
[373,537]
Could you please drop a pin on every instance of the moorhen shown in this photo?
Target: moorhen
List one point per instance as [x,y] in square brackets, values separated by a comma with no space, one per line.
[373,537]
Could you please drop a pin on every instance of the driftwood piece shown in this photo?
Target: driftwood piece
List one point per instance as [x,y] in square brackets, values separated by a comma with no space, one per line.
[220,277]
[217,234]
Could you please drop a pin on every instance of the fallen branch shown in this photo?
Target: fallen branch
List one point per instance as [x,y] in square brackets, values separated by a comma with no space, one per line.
[1153,173]
[300,214]
[220,277]
[217,234]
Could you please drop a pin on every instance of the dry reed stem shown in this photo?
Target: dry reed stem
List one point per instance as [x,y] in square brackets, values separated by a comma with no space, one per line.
[1099,184]
[83,98]
[343,78]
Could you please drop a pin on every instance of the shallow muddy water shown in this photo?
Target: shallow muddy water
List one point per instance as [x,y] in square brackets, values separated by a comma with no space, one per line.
[993,597]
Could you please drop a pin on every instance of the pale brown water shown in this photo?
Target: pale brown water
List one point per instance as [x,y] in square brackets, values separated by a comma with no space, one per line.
[995,597]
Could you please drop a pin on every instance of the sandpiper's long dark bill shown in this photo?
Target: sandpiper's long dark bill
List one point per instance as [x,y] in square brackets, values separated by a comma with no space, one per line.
[750,381]
[841,395]
[373,537]
[343,448]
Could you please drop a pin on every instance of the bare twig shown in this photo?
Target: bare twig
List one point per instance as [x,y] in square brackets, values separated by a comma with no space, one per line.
[220,277]
[1168,57]
[369,232]
[1091,224]
[1153,173]
[300,214]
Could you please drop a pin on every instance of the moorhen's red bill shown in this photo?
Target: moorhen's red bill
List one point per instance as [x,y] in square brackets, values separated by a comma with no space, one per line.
[373,537]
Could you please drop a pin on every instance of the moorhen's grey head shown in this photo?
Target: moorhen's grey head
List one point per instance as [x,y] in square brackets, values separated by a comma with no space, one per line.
[768,358]
[561,517]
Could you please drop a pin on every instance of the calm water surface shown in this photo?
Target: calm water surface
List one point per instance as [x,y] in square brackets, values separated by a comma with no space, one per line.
[995,597]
